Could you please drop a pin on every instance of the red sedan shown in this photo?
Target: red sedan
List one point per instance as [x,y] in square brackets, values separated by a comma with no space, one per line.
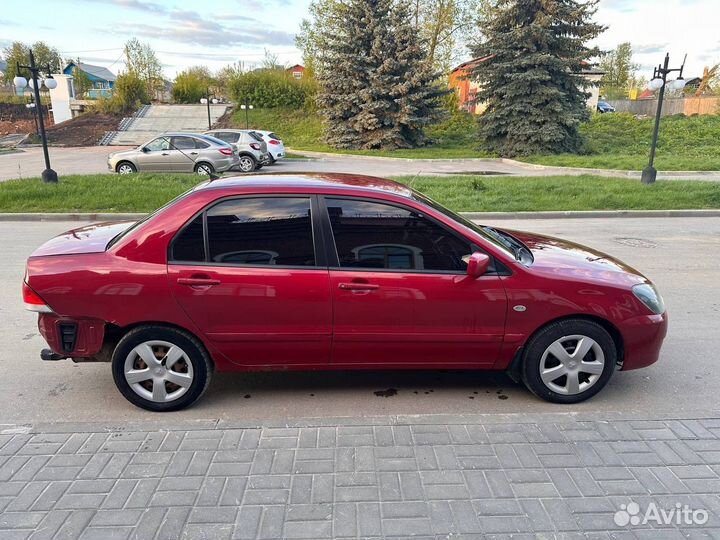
[317,272]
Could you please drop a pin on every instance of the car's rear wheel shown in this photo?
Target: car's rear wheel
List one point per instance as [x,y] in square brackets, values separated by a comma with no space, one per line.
[160,368]
[569,361]
[247,163]
[204,169]
[125,167]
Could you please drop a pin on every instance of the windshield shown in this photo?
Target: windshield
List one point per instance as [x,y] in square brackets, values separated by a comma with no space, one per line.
[500,239]
[135,225]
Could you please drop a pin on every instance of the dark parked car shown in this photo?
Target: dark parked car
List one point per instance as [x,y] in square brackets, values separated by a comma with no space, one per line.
[605,107]
[309,272]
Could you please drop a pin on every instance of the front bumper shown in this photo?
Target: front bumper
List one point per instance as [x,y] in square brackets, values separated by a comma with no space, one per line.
[642,339]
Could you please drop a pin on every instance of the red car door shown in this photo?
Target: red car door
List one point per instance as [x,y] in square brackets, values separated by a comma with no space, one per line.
[401,295]
[247,274]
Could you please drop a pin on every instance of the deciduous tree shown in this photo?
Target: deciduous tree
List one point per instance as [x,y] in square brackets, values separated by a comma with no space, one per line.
[140,58]
[620,72]
[19,53]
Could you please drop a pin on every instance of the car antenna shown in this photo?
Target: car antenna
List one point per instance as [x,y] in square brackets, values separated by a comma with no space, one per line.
[211,175]
[409,184]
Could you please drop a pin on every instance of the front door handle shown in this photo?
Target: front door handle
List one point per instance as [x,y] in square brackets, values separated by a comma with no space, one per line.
[193,153]
[358,286]
[164,154]
[198,281]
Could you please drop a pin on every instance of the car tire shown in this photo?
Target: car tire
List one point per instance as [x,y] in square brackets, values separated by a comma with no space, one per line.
[125,167]
[247,163]
[204,169]
[569,361]
[141,372]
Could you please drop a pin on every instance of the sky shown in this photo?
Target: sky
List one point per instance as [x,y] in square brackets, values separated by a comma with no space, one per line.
[219,32]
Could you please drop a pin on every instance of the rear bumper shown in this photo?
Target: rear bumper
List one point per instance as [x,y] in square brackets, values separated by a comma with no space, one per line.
[643,337]
[223,165]
[79,338]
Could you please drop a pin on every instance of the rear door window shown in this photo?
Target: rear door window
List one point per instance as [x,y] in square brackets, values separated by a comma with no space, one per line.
[256,231]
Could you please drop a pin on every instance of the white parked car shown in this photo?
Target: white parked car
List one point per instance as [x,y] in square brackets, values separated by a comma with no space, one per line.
[275,146]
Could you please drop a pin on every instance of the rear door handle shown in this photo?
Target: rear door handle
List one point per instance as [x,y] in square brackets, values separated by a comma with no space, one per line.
[164,154]
[193,153]
[358,286]
[198,282]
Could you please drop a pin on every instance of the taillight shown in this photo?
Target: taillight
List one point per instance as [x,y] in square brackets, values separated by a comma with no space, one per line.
[32,300]
[226,151]
[273,141]
[255,146]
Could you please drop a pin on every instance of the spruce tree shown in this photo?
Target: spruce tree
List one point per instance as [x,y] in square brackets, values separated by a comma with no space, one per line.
[531,81]
[375,87]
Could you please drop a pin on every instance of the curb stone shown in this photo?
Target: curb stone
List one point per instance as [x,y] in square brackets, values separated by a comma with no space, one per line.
[565,418]
[560,214]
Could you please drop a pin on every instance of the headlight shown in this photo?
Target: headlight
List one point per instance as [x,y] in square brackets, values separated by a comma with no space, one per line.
[647,294]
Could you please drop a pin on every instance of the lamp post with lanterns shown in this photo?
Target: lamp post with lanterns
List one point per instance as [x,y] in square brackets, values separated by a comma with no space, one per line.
[206,101]
[247,108]
[48,175]
[659,82]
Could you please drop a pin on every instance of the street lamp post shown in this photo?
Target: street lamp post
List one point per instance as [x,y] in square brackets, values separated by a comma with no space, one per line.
[246,107]
[48,175]
[659,82]
[207,100]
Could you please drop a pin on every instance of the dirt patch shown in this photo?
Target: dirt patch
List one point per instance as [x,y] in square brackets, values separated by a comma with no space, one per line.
[85,130]
[225,121]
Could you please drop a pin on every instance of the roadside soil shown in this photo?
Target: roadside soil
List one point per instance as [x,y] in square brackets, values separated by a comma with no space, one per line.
[225,121]
[85,130]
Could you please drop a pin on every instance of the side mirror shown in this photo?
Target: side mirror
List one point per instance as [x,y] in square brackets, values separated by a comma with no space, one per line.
[477,264]
[145,149]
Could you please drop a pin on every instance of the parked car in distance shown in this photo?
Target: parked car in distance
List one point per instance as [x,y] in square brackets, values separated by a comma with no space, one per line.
[252,149]
[276,148]
[176,152]
[333,271]
[605,107]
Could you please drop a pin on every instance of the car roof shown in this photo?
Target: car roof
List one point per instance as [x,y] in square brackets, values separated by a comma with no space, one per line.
[310,181]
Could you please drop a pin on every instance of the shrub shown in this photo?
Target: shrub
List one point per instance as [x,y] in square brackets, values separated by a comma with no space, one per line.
[271,88]
[129,93]
[191,85]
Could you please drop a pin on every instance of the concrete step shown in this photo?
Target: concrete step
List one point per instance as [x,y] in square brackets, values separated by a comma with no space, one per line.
[153,120]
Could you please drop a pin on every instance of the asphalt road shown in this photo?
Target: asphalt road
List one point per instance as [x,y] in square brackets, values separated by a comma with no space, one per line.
[679,254]
[93,160]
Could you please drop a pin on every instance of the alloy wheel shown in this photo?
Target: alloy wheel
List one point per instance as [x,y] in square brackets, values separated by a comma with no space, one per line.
[246,164]
[158,371]
[204,170]
[125,168]
[572,364]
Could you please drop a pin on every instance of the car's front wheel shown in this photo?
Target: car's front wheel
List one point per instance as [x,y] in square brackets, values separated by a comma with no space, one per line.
[160,368]
[125,167]
[569,361]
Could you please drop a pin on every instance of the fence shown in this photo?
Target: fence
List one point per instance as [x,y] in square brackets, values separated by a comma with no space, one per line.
[685,105]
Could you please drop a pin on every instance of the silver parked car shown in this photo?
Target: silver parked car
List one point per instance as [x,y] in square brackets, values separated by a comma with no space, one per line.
[251,148]
[176,152]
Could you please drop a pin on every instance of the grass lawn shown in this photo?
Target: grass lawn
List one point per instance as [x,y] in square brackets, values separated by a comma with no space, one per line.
[612,141]
[146,192]
[302,130]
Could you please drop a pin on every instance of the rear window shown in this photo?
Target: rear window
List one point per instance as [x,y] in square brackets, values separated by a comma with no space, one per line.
[274,136]
[214,140]
[255,135]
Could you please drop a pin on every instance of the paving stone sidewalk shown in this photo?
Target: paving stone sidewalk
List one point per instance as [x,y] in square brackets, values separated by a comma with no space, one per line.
[421,477]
